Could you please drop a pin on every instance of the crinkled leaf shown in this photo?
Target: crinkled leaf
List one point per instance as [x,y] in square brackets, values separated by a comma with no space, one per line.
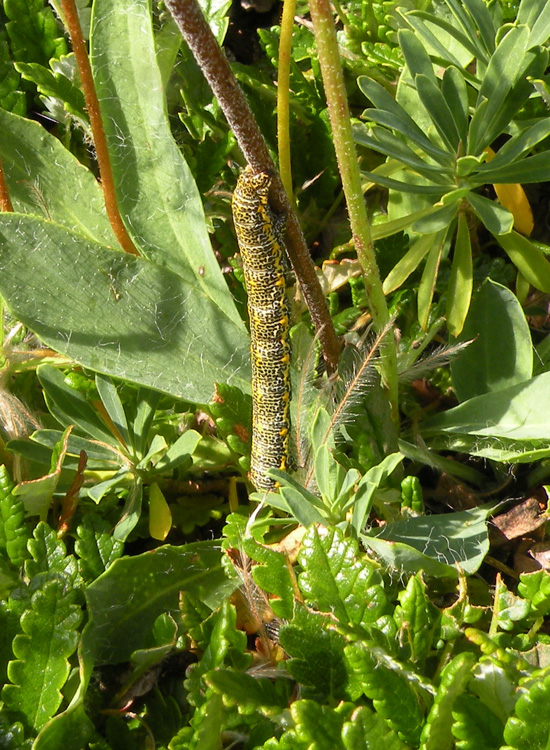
[474,725]
[49,556]
[393,696]
[316,653]
[41,666]
[436,734]
[125,601]
[366,730]
[273,576]
[337,579]
[95,546]
[33,30]
[14,530]
[417,619]
[126,316]
[320,726]
[535,588]
[249,693]
[56,85]
[529,727]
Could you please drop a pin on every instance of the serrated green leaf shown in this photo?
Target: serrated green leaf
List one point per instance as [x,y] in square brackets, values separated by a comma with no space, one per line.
[14,530]
[337,579]
[273,576]
[529,727]
[133,108]
[417,619]
[436,734]
[319,726]
[366,730]
[95,546]
[249,693]
[316,653]
[42,650]
[127,317]
[125,601]
[535,588]
[55,85]
[393,695]
[33,30]
[474,726]
[71,730]
[49,555]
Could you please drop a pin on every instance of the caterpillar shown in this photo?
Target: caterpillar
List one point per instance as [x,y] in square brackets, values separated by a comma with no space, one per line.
[259,234]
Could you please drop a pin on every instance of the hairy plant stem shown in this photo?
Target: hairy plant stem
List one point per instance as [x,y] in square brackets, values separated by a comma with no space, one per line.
[219,75]
[283,95]
[5,200]
[100,141]
[335,91]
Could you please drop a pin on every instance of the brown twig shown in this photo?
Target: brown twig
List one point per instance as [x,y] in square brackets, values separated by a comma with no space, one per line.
[219,75]
[94,113]
[5,200]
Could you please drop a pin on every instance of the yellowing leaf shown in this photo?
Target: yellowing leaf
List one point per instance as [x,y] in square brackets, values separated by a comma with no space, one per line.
[160,516]
[512,197]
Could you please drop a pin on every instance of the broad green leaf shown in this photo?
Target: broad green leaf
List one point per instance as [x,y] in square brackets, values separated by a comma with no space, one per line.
[366,730]
[459,292]
[528,259]
[437,544]
[500,353]
[179,452]
[121,315]
[517,413]
[337,579]
[409,262]
[162,207]
[125,601]
[45,179]
[367,486]
[41,652]
[529,727]
[535,588]
[393,696]
[436,734]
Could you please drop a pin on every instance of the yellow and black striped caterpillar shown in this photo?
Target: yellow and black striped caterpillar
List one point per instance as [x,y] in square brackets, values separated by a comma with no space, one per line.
[259,233]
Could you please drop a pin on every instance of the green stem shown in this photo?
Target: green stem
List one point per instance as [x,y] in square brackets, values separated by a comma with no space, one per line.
[283,95]
[335,91]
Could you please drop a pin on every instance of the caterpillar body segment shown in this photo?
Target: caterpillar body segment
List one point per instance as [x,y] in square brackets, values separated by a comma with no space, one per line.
[259,234]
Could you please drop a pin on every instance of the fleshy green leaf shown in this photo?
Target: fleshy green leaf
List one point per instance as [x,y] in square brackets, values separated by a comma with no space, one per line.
[500,354]
[41,666]
[459,292]
[528,259]
[125,601]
